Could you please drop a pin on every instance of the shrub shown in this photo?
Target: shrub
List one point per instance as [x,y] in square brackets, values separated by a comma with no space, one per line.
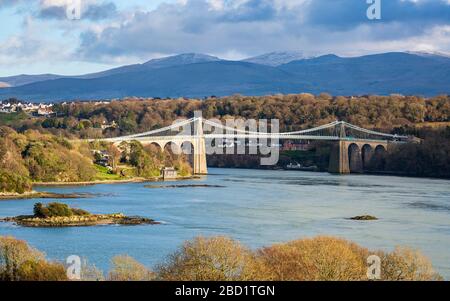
[214,259]
[42,271]
[126,268]
[57,209]
[20,262]
[40,211]
[223,259]
[321,258]
[407,264]
[184,169]
[90,272]
[80,212]
[11,182]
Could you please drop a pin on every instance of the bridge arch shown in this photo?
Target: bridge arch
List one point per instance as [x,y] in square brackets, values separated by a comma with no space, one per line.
[172,151]
[173,147]
[378,161]
[155,146]
[355,158]
[367,153]
[380,149]
[188,151]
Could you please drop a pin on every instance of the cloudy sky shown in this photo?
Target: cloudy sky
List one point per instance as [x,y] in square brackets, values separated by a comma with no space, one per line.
[37,36]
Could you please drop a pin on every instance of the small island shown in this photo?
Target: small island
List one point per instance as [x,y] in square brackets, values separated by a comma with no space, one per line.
[61,215]
[364,218]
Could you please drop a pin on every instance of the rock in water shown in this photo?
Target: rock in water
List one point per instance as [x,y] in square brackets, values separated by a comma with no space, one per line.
[364,218]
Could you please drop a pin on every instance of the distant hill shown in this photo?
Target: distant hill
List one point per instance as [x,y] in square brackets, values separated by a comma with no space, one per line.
[196,75]
[278,58]
[177,60]
[194,80]
[24,79]
[375,74]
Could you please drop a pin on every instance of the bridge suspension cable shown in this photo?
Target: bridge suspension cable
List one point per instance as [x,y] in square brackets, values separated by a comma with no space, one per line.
[320,130]
[357,128]
[157,131]
[326,126]
[332,131]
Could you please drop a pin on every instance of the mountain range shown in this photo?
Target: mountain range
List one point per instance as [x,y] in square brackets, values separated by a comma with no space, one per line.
[200,75]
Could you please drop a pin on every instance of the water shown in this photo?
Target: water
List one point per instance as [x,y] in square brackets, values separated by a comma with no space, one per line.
[256,207]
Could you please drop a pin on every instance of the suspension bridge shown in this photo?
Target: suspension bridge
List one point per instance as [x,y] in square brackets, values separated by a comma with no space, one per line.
[353,147]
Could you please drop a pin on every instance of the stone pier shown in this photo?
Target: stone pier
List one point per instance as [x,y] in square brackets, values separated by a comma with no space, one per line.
[354,156]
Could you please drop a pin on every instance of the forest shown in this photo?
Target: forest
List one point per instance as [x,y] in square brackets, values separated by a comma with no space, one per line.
[388,113]
[32,156]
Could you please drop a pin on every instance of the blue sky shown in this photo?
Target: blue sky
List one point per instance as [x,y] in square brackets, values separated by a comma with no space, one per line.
[37,37]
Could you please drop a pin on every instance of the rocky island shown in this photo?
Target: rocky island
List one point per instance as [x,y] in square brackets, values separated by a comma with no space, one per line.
[61,215]
[364,218]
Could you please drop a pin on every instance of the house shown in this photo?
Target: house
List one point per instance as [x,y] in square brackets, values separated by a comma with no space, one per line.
[296,146]
[101,158]
[106,125]
[44,112]
[169,173]
[33,109]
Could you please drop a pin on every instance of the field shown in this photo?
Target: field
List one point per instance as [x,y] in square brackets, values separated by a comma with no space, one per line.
[103,174]
[10,118]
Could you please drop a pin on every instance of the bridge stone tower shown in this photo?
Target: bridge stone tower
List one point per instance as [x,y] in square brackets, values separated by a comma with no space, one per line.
[200,166]
[339,162]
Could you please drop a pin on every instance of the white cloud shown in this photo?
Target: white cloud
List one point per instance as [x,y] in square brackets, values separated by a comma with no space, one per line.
[231,29]
[31,46]
[216,4]
[237,28]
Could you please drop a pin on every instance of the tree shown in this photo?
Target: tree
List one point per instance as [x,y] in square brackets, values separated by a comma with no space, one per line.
[126,268]
[320,258]
[40,211]
[405,264]
[20,262]
[42,270]
[10,182]
[212,259]
[114,155]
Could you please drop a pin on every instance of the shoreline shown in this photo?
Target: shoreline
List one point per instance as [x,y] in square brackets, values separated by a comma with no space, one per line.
[50,195]
[96,182]
[42,195]
[99,182]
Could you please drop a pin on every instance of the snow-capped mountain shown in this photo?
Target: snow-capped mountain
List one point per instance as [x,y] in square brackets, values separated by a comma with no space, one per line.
[279,58]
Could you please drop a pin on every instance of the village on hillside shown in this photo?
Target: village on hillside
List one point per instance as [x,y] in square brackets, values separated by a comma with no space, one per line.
[34,109]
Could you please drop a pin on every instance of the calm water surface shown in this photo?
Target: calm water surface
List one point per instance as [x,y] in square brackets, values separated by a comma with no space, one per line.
[256,207]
